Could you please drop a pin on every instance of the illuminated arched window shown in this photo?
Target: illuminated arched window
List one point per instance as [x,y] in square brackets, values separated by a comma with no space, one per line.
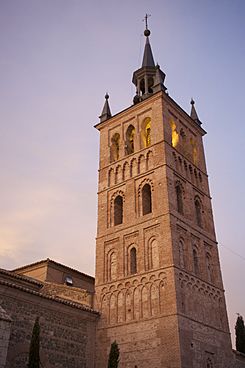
[148,136]
[146,199]
[133,261]
[146,132]
[198,211]
[118,210]
[179,198]
[175,134]
[195,261]
[130,139]
[114,149]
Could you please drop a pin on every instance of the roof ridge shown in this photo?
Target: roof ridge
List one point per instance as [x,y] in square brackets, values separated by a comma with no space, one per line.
[47,260]
[21,277]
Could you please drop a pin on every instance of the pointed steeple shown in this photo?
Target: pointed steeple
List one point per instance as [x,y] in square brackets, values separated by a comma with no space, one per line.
[194,115]
[106,112]
[148,60]
[149,78]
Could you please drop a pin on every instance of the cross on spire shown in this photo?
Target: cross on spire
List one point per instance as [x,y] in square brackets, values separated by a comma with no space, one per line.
[146,20]
[146,31]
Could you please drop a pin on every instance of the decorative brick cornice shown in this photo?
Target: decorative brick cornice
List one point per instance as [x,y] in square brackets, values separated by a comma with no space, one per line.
[48,297]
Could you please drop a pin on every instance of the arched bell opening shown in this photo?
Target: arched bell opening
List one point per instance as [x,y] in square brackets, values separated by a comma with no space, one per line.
[150,84]
[142,86]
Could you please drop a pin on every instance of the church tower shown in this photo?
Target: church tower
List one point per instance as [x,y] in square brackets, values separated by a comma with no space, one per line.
[158,279]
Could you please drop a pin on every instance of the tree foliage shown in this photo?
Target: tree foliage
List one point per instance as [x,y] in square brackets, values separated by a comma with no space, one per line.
[240,334]
[34,359]
[114,356]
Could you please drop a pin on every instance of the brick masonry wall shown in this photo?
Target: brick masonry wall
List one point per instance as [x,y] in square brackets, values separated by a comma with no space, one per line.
[201,343]
[239,359]
[5,325]
[67,338]
[150,343]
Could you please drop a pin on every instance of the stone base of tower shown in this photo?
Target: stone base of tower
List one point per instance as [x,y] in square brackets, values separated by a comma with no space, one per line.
[153,343]
[204,346]
[168,342]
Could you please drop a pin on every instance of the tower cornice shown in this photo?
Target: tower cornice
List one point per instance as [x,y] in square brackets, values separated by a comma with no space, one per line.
[149,101]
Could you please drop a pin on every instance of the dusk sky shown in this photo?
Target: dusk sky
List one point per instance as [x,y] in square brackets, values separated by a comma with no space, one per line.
[57,60]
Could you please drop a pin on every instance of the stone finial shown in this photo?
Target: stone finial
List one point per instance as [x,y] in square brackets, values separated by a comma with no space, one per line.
[159,80]
[106,112]
[193,114]
[147,32]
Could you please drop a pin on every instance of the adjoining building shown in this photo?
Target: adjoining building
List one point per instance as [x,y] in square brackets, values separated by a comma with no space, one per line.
[62,298]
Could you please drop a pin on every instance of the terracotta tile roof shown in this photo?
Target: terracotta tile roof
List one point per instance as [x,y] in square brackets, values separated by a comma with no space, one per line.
[47,260]
[21,277]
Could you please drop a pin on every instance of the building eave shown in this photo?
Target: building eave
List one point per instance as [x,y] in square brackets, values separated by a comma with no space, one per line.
[47,261]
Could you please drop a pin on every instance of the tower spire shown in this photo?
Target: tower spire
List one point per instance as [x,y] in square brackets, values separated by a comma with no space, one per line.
[149,78]
[148,59]
[106,112]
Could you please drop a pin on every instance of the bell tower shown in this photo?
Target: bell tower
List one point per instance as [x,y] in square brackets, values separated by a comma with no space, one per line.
[158,279]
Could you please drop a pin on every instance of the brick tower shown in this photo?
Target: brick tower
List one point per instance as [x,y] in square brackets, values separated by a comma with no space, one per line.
[158,279]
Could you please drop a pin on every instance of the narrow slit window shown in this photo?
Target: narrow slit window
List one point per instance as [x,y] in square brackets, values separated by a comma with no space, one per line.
[198,212]
[146,199]
[209,268]
[133,261]
[181,254]
[195,261]
[118,210]
[112,274]
[179,198]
